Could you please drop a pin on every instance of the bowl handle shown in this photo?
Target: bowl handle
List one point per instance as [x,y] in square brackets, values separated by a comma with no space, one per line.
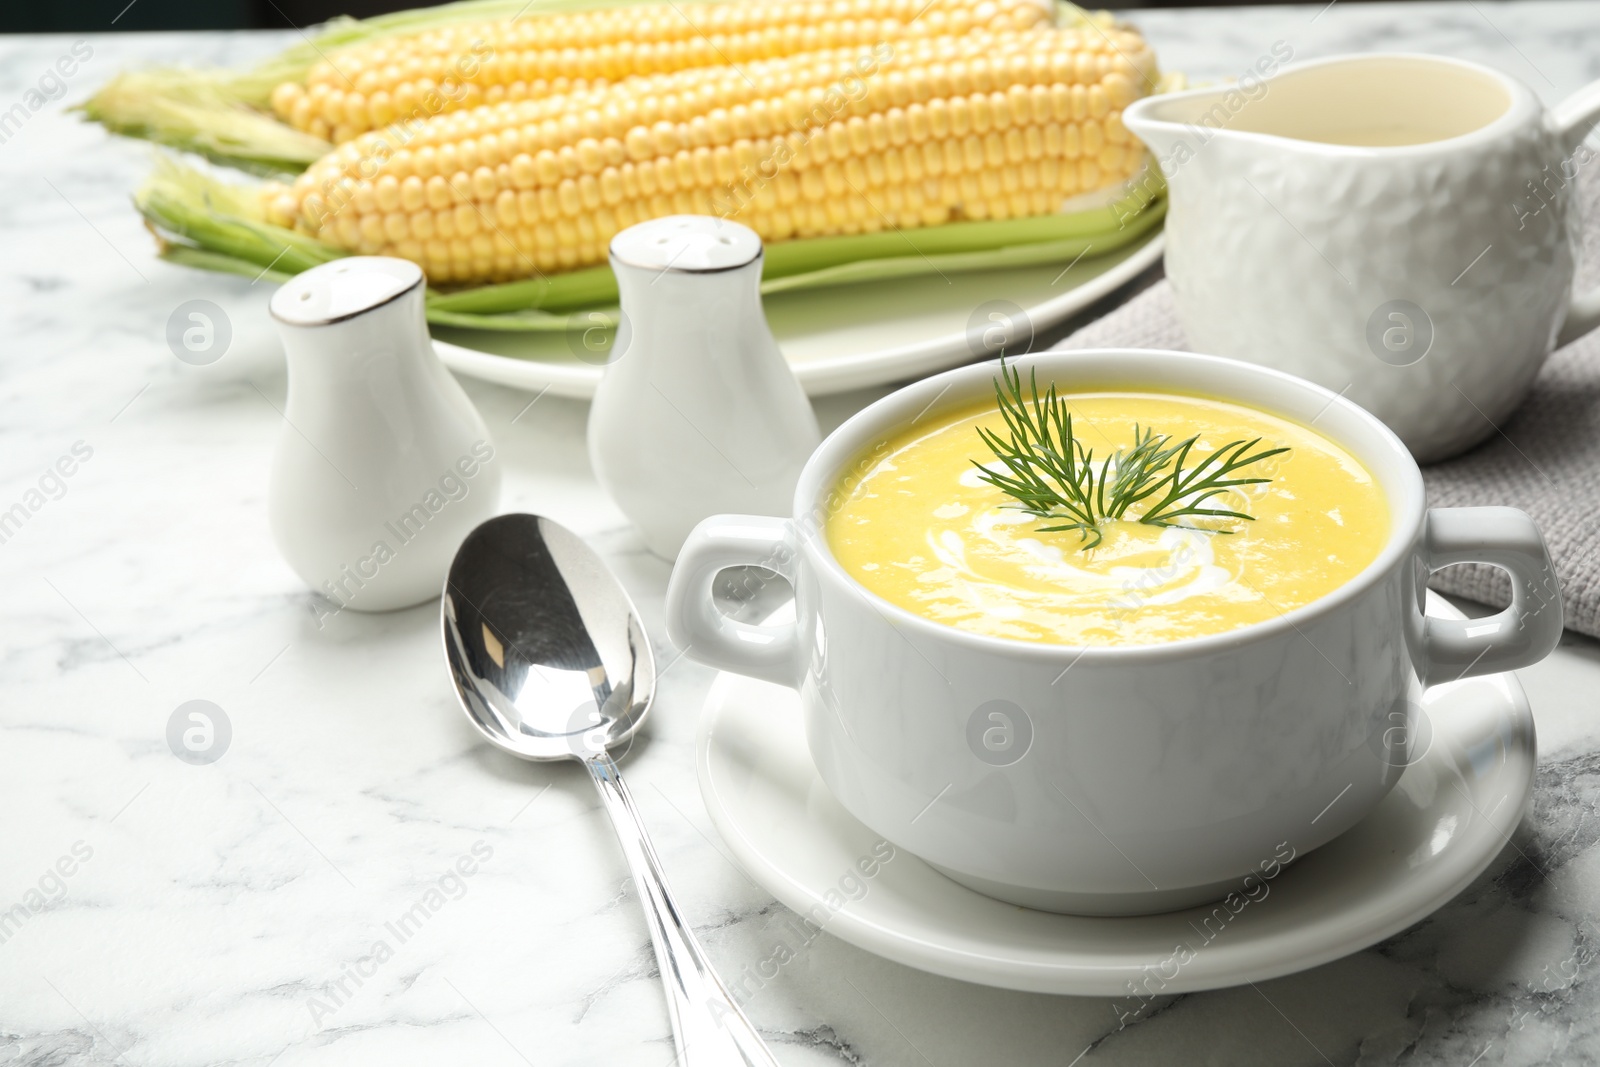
[704,633]
[1523,633]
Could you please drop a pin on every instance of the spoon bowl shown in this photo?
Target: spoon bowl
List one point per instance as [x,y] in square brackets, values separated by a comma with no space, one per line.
[545,648]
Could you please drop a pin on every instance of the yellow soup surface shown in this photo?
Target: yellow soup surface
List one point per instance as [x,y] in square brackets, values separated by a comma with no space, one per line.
[921,529]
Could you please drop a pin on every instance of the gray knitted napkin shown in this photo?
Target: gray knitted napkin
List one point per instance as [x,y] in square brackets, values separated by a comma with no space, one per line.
[1545,458]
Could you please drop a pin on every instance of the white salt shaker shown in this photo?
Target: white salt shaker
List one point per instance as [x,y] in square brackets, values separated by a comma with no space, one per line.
[383,465]
[698,412]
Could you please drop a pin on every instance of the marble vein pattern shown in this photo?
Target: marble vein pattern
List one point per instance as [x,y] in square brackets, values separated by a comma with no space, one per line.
[359,879]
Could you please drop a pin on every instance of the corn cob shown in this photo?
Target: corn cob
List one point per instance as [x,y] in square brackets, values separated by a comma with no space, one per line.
[367,86]
[915,133]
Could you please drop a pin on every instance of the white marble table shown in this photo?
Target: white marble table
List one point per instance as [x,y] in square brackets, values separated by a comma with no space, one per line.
[228,914]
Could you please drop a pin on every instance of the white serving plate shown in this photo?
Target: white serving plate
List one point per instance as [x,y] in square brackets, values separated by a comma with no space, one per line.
[841,337]
[1451,813]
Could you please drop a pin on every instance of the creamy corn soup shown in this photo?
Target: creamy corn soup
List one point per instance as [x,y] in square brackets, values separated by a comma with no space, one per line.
[922,530]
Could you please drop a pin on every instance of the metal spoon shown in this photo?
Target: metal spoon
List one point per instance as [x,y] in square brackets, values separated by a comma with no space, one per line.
[550,662]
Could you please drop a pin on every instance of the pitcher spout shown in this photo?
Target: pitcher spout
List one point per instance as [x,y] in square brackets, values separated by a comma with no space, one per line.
[1176,125]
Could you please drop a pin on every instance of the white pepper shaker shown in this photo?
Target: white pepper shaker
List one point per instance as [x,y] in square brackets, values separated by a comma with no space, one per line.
[698,412]
[383,466]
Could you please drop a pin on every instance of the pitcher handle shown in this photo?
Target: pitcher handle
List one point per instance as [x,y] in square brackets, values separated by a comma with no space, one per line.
[1572,120]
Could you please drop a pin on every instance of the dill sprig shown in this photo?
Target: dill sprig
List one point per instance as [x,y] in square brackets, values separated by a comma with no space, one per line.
[1052,475]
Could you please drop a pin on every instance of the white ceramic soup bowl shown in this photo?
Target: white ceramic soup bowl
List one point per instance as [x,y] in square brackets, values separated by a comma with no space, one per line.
[1115,780]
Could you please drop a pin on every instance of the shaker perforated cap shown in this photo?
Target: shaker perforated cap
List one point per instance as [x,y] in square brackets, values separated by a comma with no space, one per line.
[343,289]
[693,244]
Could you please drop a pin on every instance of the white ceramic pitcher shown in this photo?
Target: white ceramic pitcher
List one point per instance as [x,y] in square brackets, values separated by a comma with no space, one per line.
[1396,228]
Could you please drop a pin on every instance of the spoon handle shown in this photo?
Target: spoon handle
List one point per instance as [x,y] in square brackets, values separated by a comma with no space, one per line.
[707,1026]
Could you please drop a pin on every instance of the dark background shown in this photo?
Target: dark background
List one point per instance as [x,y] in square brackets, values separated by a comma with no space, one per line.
[90,16]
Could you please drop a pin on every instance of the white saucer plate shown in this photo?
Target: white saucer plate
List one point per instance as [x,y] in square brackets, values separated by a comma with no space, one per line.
[1448,817]
[846,336]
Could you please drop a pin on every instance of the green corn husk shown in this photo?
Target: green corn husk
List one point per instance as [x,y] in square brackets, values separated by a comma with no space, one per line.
[1063,251]
[205,222]
[224,221]
[817,262]
[198,112]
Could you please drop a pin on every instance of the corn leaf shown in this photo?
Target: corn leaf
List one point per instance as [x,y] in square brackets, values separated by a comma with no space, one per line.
[197,112]
[1063,250]
[800,262]
[221,262]
[199,210]
[861,272]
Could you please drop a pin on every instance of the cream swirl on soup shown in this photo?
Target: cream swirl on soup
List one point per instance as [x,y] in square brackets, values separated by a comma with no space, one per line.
[923,530]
